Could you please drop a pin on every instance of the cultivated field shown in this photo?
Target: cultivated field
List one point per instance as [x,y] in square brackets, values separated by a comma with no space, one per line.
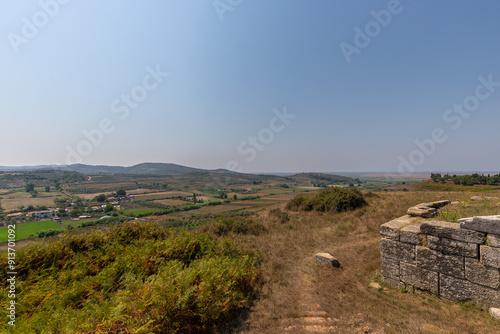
[162,195]
[26,230]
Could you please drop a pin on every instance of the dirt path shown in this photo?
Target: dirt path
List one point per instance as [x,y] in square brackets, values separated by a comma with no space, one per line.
[311,317]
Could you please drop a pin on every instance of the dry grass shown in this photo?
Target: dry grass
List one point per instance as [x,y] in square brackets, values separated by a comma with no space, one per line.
[300,296]
[14,203]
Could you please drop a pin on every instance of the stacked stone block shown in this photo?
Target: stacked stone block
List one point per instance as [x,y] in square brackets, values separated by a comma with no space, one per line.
[457,261]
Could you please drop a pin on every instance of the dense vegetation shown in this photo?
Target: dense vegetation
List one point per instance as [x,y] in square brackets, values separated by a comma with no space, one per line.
[329,200]
[40,178]
[324,178]
[236,225]
[134,278]
[468,180]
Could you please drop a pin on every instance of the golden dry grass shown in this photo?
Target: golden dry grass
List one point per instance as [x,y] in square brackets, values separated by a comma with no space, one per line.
[9,202]
[300,296]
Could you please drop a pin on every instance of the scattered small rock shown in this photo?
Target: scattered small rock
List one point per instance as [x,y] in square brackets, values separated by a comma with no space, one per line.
[375,285]
[495,313]
[481,198]
[327,259]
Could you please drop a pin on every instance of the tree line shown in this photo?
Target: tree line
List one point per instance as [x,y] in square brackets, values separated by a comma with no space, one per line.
[468,179]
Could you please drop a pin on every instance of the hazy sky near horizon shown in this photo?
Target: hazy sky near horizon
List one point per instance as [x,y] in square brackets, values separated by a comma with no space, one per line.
[254,86]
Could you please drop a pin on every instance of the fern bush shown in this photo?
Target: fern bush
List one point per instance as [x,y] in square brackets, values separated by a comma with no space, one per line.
[134,278]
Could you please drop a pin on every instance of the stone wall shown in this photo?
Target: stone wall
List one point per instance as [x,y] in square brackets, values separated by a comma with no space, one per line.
[459,262]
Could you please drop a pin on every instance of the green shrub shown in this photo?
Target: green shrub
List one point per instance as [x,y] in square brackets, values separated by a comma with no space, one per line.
[134,278]
[48,233]
[329,200]
[237,225]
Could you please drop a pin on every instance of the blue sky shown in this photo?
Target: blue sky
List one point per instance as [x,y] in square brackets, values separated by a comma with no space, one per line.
[235,68]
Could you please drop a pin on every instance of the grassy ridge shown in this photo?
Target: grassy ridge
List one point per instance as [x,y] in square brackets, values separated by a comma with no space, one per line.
[134,278]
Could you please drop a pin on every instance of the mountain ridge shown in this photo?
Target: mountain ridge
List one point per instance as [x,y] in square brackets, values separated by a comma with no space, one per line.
[147,168]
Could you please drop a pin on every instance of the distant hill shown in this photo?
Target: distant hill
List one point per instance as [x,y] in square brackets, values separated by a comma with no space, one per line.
[29,168]
[322,178]
[166,169]
[140,169]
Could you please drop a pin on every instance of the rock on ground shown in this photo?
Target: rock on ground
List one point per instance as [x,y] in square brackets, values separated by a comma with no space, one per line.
[327,259]
[495,313]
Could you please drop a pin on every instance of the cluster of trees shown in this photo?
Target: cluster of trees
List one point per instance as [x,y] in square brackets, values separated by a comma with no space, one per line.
[40,178]
[103,198]
[48,233]
[468,180]
[331,179]
[247,198]
[78,208]
[30,188]
[196,200]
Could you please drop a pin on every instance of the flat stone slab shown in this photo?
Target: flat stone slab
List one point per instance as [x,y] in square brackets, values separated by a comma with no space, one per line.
[452,231]
[487,224]
[424,212]
[328,259]
[436,205]
[427,210]
[392,229]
